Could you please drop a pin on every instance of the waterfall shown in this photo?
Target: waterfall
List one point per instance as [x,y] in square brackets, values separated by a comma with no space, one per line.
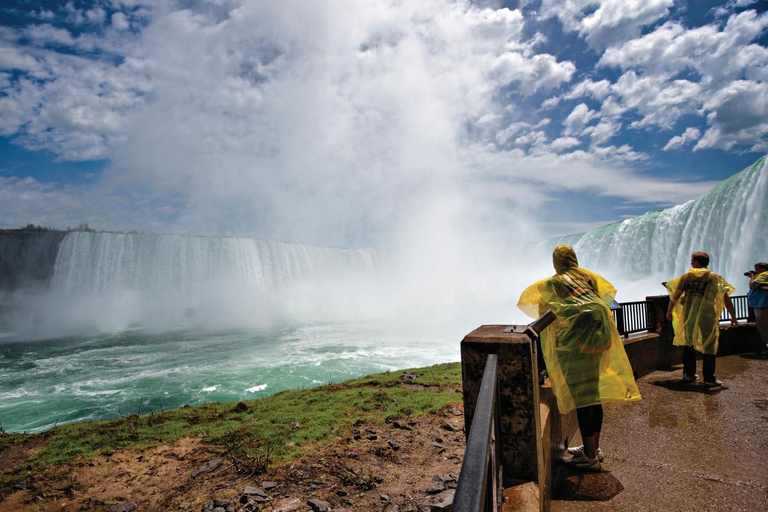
[729,223]
[92,262]
[106,282]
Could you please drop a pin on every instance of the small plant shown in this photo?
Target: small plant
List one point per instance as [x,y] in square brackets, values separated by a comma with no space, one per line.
[247,454]
[350,477]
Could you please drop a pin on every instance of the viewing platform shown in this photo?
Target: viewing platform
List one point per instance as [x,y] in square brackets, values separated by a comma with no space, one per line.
[684,447]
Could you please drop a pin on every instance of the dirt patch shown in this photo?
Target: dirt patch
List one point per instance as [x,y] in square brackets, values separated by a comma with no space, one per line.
[376,468]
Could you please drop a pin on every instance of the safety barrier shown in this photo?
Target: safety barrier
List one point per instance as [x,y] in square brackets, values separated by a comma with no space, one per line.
[481,480]
[480,486]
[632,317]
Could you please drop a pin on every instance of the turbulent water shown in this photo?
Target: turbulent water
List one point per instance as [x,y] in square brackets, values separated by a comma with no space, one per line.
[112,374]
[125,323]
[729,223]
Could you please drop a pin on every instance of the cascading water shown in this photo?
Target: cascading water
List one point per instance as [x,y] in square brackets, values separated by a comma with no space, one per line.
[728,222]
[167,281]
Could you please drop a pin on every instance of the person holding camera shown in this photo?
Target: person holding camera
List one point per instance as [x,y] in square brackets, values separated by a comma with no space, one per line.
[758,299]
[697,300]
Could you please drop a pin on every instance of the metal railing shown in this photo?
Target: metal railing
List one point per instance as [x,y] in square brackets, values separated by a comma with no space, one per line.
[480,480]
[740,307]
[632,317]
[479,486]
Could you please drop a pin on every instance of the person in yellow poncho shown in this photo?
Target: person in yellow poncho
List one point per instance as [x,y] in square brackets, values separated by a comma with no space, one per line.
[585,359]
[758,300]
[697,301]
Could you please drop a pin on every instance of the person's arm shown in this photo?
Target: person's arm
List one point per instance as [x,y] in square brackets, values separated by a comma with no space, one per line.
[752,285]
[673,302]
[729,308]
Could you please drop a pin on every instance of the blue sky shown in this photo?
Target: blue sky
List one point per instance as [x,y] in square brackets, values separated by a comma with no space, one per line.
[351,121]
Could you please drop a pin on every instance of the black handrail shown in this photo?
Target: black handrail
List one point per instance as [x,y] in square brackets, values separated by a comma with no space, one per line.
[480,480]
[475,491]
[632,317]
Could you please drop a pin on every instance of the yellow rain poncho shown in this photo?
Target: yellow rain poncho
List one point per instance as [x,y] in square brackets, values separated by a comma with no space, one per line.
[696,316]
[586,361]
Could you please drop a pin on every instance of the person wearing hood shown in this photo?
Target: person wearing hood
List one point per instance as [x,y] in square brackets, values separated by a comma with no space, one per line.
[697,301]
[585,358]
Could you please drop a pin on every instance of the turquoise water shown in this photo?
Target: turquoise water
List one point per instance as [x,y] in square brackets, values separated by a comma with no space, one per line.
[66,380]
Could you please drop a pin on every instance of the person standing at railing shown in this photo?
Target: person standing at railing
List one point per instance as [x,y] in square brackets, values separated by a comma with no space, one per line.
[585,359]
[758,300]
[697,300]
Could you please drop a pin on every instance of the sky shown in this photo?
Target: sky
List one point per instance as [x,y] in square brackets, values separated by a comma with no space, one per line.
[356,122]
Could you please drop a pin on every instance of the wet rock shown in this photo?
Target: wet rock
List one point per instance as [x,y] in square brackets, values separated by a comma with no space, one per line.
[268,485]
[319,505]
[123,507]
[450,427]
[399,425]
[393,445]
[587,486]
[209,466]
[383,497]
[240,407]
[437,503]
[409,376]
[455,411]
[254,494]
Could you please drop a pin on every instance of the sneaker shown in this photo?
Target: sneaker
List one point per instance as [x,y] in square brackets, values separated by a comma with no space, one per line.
[713,383]
[575,450]
[581,461]
[687,377]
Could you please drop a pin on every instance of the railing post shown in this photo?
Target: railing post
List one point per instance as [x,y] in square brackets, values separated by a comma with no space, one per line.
[518,396]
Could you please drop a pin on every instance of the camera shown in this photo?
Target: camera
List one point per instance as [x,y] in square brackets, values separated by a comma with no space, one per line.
[749,273]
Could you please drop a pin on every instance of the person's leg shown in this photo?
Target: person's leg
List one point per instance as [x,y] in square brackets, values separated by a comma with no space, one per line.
[709,367]
[761,319]
[597,415]
[586,420]
[689,361]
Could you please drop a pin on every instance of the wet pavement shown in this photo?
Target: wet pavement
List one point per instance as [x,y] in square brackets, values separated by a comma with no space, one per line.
[684,447]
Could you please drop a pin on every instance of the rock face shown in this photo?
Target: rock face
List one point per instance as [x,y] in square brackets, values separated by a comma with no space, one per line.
[27,258]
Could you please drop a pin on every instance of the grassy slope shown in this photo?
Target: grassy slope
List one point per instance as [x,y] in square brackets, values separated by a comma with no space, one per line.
[255,431]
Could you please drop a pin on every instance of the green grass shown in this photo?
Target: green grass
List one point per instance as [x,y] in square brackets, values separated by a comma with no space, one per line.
[254,432]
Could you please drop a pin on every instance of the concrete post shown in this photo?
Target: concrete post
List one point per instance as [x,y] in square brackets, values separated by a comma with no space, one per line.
[518,396]
[658,323]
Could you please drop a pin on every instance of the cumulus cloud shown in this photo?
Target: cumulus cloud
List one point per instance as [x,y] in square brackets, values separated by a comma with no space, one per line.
[604,23]
[738,116]
[578,119]
[678,141]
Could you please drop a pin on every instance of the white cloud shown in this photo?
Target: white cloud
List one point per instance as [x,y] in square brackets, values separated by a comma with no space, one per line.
[120,21]
[678,141]
[604,23]
[578,119]
[602,132]
[564,143]
[715,55]
[738,116]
